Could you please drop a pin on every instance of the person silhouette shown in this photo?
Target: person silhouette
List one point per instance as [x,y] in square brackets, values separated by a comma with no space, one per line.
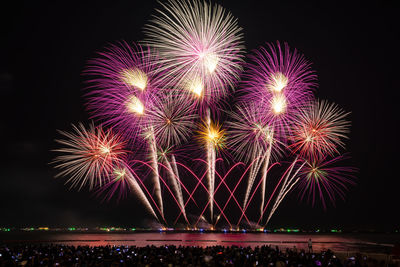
[309,245]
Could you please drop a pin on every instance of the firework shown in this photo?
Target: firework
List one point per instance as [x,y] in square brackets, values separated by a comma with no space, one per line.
[325,178]
[251,137]
[289,181]
[173,174]
[117,186]
[250,133]
[123,85]
[154,97]
[172,119]
[281,81]
[212,134]
[124,65]
[88,155]
[201,46]
[319,130]
[122,182]
[126,81]
[213,138]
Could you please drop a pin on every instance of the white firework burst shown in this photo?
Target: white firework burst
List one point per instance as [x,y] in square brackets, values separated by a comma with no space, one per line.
[200,44]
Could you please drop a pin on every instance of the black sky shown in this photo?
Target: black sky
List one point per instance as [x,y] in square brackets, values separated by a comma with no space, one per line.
[353,47]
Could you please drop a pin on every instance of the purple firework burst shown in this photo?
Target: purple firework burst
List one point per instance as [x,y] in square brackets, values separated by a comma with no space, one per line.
[280,80]
[324,178]
[124,83]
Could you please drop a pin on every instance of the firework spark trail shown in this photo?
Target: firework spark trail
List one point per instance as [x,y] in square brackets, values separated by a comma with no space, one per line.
[212,137]
[211,175]
[244,173]
[264,181]
[199,182]
[284,190]
[178,181]
[260,160]
[211,160]
[181,185]
[148,193]
[175,169]
[191,194]
[264,178]
[285,182]
[276,188]
[251,139]
[138,190]
[205,207]
[176,186]
[208,203]
[210,172]
[172,121]
[164,182]
[252,177]
[252,195]
[156,175]
[222,181]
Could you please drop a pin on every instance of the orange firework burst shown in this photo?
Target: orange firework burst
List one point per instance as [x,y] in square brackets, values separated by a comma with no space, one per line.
[210,133]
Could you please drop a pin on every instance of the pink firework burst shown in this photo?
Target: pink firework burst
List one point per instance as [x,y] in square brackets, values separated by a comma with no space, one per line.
[124,83]
[319,129]
[201,46]
[324,178]
[282,81]
[89,155]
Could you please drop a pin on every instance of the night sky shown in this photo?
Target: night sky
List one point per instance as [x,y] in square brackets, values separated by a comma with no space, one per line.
[46,46]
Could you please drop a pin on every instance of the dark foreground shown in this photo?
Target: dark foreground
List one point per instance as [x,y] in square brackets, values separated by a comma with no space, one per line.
[65,255]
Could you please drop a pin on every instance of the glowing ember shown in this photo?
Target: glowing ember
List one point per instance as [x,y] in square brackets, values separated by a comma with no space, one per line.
[135,77]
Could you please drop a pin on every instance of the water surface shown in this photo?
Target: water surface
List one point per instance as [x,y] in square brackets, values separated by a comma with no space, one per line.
[337,242]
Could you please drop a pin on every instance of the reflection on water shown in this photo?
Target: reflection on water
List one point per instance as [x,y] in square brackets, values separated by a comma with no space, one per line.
[336,242]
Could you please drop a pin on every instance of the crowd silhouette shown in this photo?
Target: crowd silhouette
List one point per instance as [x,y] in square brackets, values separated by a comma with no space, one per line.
[65,255]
